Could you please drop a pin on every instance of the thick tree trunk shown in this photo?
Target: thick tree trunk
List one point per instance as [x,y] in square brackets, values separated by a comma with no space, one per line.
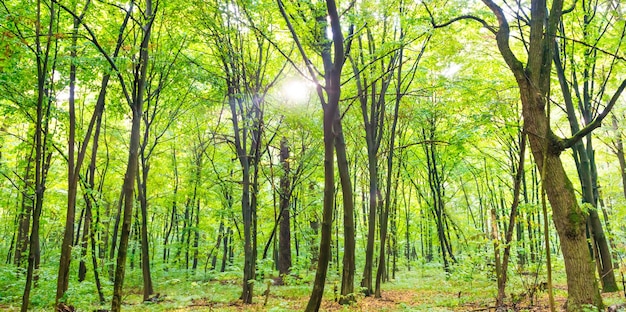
[569,219]
[533,80]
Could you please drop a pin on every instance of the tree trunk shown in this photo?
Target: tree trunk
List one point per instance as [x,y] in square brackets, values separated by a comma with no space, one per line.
[133,157]
[569,218]
[349,244]
[173,215]
[315,300]
[533,81]
[25,214]
[196,236]
[618,149]
[42,155]
[148,288]
[284,241]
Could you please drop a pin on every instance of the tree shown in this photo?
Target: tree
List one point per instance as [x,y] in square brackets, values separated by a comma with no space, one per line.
[157,119]
[372,97]
[42,43]
[75,160]
[333,57]
[136,104]
[533,79]
[233,29]
[586,87]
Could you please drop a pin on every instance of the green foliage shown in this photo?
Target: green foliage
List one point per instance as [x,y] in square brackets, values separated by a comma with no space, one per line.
[459,101]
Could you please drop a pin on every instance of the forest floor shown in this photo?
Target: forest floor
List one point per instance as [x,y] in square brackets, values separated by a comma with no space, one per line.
[422,289]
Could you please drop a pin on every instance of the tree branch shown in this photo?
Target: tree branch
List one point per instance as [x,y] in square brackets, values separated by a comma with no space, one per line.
[502,38]
[457,19]
[596,122]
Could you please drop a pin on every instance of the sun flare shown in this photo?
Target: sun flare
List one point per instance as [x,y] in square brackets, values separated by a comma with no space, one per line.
[296,92]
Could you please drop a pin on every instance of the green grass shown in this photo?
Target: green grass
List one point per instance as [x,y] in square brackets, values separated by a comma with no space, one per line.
[425,288]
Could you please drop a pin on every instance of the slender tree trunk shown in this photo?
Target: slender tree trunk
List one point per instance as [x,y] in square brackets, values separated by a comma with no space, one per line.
[618,149]
[226,238]
[133,157]
[382,267]
[196,237]
[84,240]
[143,170]
[173,215]
[25,214]
[315,300]
[333,67]
[503,263]
[72,177]
[349,230]
[284,245]
[42,155]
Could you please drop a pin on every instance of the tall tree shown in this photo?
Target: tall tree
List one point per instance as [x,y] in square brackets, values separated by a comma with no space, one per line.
[157,119]
[586,86]
[233,28]
[43,45]
[372,96]
[333,58]
[533,79]
[75,159]
[140,71]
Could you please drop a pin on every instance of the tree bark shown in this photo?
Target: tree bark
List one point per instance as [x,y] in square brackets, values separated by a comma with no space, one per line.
[349,234]
[284,241]
[25,213]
